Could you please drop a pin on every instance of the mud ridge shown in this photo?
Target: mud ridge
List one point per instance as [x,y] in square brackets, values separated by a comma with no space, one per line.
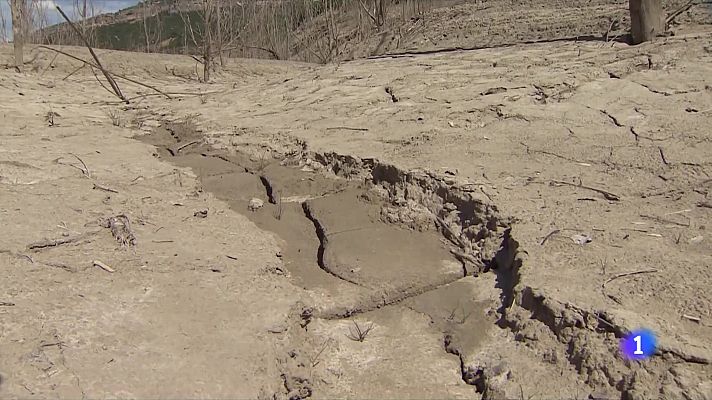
[588,339]
[469,375]
[468,219]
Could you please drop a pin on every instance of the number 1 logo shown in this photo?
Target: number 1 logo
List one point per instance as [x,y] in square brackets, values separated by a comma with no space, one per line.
[638,351]
[639,344]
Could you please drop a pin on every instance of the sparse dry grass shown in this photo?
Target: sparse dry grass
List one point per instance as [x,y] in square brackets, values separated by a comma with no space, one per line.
[359,334]
[115,117]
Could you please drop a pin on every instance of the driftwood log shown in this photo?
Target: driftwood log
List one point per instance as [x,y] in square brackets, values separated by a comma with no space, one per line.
[647,20]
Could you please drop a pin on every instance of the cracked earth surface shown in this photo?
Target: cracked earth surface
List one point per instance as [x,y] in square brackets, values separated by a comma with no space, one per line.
[431,198]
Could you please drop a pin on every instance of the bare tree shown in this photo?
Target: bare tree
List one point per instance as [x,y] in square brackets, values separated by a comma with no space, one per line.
[151,25]
[208,8]
[647,19]
[3,28]
[327,45]
[18,8]
[376,10]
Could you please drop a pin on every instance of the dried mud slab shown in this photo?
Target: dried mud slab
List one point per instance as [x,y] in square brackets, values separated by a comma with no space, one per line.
[360,248]
[363,244]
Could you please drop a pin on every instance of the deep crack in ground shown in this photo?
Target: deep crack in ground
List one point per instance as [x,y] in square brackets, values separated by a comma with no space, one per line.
[388,237]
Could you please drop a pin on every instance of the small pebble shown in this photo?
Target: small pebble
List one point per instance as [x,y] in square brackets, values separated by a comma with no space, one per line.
[255,204]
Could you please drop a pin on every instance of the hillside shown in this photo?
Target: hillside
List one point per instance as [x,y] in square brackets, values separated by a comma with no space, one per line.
[329,30]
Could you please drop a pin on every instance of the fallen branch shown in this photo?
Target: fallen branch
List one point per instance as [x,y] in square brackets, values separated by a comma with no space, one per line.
[691,318]
[73,72]
[624,274]
[663,220]
[608,195]
[552,233]
[111,80]
[174,150]
[58,242]
[112,73]
[85,171]
[104,188]
[677,12]
[103,266]
[59,265]
[18,255]
[347,128]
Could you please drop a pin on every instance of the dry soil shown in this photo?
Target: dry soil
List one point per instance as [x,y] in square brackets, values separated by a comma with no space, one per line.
[405,227]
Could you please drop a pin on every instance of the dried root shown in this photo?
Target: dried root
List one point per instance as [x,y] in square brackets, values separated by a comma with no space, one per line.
[121,230]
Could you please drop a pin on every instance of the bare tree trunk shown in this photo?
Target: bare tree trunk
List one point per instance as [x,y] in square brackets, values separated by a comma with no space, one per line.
[144,20]
[207,8]
[219,35]
[17,8]
[3,28]
[646,20]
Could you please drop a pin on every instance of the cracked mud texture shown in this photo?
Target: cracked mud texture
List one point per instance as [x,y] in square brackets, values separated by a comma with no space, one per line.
[217,306]
[350,249]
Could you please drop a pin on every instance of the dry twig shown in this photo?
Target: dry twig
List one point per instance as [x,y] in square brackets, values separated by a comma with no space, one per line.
[315,360]
[103,266]
[346,128]
[664,221]
[624,274]
[552,233]
[691,318]
[57,242]
[85,171]
[60,266]
[104,188]
[608,195]
[174,150]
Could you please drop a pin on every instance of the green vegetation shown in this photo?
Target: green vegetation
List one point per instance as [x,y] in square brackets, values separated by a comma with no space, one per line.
[131,35]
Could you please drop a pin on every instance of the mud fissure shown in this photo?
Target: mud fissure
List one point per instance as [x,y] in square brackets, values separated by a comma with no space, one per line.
[364,233]
[321,235]
[269,190]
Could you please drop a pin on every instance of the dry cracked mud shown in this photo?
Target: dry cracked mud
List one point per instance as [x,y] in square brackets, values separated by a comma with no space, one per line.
[300,234]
